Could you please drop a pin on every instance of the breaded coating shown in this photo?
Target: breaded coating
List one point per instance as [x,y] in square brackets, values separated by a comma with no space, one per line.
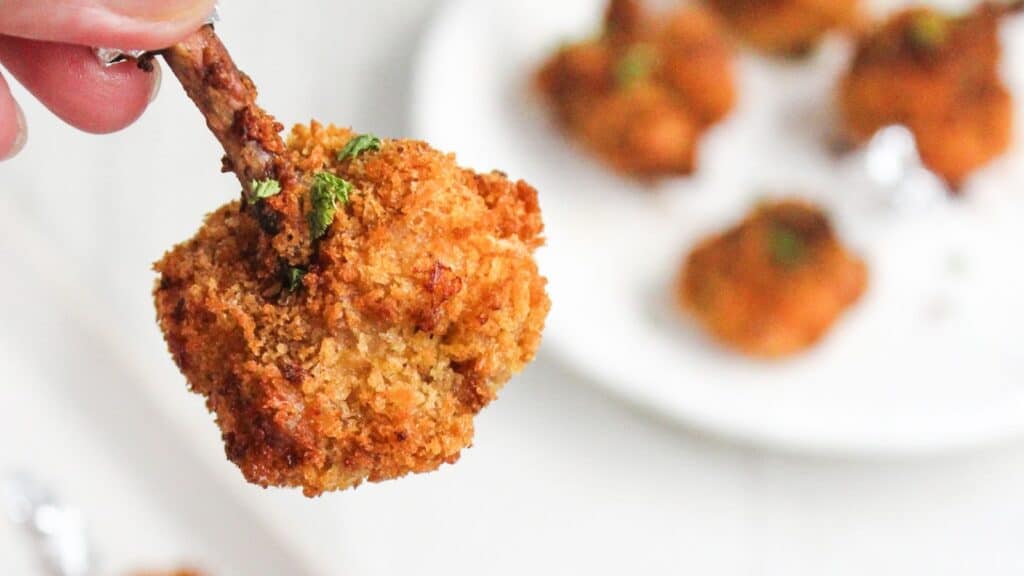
[421,301]
[773,285]
[640,96]
[939,76]
[787,27]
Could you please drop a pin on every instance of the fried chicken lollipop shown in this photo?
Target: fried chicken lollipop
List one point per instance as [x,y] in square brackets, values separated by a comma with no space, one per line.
[773,285]
[787,27]
[641,95]
[363,301]
[939,76]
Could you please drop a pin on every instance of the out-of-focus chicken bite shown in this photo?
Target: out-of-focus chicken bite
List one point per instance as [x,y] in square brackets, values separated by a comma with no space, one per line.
[787,27]
[939,76]
[773,285]
[641,95]
[422,299]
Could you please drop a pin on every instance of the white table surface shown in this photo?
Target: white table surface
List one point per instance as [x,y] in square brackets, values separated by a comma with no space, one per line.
[562,480]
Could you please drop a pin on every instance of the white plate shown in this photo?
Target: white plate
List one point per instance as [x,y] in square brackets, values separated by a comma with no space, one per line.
[930,361]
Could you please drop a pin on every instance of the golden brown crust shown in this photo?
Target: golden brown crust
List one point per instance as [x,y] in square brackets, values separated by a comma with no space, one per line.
[422,301]
[640,96]
[773,285]
[939,76]
[787,27]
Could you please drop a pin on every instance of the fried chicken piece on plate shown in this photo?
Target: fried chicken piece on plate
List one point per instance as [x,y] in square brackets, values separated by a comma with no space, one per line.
[787,27]
[773,285]
[938,75]
[366,298]
[640,96]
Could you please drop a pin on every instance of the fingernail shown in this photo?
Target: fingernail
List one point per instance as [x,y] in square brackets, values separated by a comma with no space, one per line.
[164,11]
[22,137]
[158,76]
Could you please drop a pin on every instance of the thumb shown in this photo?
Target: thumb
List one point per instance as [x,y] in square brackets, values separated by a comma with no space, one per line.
[129,24]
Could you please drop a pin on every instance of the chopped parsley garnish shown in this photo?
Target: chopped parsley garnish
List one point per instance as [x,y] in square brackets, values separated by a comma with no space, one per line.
[327,192]
[293,279]
[636,65]
[787,248]
[928,30]
[263,189]
[358,145]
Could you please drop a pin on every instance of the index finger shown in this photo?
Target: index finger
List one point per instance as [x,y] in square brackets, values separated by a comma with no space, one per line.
[129,24]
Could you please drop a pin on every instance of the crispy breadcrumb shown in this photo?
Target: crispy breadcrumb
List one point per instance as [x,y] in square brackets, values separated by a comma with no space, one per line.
[939,76]
[421,301]
[773,285]
[787,27]
[641,95]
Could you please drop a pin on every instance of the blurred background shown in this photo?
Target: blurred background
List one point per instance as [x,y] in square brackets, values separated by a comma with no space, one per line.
[562,478]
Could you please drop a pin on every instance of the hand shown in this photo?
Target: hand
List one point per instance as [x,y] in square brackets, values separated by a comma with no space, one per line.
[46,45]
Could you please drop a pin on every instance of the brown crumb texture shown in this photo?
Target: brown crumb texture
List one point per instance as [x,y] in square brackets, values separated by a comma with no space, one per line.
[787,27]
[773,285]
[938,75]
[422,300]
[641,94]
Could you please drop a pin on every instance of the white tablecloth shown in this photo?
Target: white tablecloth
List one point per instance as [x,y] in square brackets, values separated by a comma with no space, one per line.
[563,480]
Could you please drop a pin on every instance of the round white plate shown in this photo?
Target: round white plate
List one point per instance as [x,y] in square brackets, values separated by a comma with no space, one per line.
[932,358]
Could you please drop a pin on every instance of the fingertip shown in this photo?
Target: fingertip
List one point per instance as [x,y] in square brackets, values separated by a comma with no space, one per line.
[76,87]
[21,132]
[13,129]
[146,25]
[128,24]
[110,102]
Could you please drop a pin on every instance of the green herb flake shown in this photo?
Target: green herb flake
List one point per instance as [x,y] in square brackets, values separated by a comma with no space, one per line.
[928,30]
[263,189]
[787,248]
[326,193]
[293,279]
[636,65]
[358,145]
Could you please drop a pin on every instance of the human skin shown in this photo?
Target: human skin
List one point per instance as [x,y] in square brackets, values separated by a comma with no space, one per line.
[46,46]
